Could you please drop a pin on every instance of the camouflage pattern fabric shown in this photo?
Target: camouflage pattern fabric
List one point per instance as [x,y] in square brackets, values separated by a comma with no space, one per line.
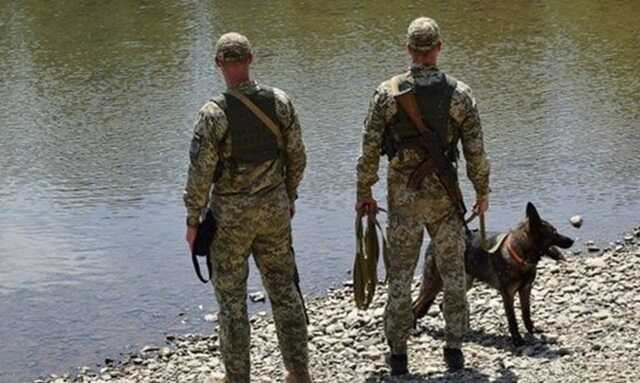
[260,225]
[423,34]
[232,46]
[251,204]
[410,212]
[464,125]
[211,139]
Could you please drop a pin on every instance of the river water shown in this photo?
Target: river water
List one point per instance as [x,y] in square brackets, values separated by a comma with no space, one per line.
[98,102]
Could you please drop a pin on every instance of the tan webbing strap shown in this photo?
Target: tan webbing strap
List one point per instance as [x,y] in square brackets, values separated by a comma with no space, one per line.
[273,127]
[395,85]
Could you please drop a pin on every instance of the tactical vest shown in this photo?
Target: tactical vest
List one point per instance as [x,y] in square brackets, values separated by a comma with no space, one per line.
[434,102]
[252,142]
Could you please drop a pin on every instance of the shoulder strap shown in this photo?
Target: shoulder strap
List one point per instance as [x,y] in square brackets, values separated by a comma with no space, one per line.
[275,129]
[220,101]
[399,85]
[451,81]
[395,85]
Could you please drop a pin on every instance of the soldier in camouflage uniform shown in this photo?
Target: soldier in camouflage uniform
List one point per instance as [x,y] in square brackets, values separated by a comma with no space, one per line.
[250,184]
[447,104]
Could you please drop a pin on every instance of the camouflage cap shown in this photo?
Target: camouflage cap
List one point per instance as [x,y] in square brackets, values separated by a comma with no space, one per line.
[423,34]
[232,46]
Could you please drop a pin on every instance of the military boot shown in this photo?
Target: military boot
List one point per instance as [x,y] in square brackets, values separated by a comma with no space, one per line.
[454,358]
[297,377]
[398,364]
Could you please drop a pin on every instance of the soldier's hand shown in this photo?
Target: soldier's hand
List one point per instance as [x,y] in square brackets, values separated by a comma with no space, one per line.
[481,206]
[191,236]
[367,205]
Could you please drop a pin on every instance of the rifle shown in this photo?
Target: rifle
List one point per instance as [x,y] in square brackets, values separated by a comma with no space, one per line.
[437,162]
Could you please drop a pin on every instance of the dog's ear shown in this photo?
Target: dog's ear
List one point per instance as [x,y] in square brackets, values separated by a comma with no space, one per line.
[534,217]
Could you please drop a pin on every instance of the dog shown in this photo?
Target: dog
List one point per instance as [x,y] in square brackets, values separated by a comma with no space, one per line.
[509,265]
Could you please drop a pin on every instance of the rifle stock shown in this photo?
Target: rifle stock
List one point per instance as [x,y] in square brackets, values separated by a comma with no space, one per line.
[423,169]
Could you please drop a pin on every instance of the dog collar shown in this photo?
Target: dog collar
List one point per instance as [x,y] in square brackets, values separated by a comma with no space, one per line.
[514,254]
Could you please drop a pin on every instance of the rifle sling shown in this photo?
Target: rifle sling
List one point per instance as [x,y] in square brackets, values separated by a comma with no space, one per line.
[441,167]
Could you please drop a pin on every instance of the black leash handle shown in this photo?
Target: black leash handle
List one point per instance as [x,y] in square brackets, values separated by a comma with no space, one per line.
[196,266]
[202,244]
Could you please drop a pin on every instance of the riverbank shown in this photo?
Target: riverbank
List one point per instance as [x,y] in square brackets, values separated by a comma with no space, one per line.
[587,307]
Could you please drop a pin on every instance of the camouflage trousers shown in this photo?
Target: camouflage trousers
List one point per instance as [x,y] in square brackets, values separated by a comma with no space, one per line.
[258,225]
[410,212]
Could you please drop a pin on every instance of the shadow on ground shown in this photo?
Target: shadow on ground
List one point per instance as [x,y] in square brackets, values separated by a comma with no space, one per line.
[505,375]
[537,346]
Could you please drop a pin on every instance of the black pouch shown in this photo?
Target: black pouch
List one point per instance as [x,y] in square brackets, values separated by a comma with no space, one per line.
[202,243]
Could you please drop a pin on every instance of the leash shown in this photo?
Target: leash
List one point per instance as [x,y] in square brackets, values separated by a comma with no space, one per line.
[202,244]
[296,281]
[473,216]
[296,275]
[483,228]
[365,268]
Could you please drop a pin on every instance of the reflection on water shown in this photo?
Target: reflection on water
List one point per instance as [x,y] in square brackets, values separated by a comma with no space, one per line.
[98,102]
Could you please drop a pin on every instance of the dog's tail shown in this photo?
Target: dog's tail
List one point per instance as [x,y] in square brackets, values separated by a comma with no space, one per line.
[429,288]
[421,307]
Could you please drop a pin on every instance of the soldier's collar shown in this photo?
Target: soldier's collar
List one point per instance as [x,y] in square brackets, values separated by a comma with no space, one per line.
[423,67]
[248,86]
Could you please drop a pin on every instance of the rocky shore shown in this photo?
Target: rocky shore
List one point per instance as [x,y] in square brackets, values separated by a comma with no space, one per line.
[588,309]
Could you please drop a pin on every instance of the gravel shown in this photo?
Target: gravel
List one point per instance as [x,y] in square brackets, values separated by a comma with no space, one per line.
[587,307]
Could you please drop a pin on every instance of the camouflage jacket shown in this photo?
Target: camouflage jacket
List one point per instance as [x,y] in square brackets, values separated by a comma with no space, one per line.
[464,123]
[210,142]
